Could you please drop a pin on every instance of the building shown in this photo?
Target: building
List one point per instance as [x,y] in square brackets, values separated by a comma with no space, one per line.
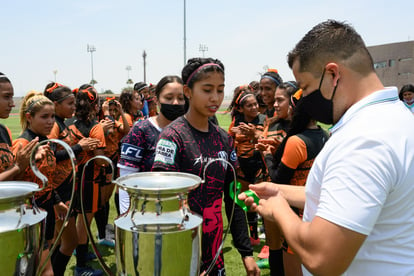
[394,63]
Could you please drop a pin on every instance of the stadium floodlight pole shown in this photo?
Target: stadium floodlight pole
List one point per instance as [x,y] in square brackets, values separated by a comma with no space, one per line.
[185,36]
[144,56]
[203,48]
[91,49]
[128,68]
[54,73]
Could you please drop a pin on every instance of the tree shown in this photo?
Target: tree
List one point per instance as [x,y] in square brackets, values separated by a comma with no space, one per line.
[108,91]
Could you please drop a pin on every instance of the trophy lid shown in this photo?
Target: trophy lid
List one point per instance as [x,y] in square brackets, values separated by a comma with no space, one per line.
[16,190]
[158,183]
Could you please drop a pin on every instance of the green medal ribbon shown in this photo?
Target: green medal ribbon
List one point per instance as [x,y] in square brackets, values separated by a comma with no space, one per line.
[235,197]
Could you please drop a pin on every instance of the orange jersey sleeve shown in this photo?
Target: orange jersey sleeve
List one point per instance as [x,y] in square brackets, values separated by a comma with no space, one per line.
[98,133]
[295,152]
[46,166]
[129,119]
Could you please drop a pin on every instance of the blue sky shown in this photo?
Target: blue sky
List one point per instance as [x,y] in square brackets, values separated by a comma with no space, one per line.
[39,37]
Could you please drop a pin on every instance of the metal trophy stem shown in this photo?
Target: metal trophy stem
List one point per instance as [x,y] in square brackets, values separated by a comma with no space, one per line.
[85,220]
[44,179]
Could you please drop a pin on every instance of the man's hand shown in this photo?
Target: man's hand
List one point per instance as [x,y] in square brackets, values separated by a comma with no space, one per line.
[270,198]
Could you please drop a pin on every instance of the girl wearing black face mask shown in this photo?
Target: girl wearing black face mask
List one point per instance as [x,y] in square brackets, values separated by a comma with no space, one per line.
[138,146]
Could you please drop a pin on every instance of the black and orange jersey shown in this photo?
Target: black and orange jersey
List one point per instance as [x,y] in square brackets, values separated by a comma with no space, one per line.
[93,129]
[81,129]
[46,166]
[6,155]
[112,140]
[62,174]
[298,156]
[275,129]
[243,145]
[250,160]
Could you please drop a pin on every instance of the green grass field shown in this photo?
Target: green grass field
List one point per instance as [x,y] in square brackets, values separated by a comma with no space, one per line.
[233,263]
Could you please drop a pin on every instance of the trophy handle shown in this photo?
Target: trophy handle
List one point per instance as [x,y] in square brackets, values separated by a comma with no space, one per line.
[44,179]
[85,220]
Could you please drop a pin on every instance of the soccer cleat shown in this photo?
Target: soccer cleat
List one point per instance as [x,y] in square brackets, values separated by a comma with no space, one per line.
[87,271]
[107,242]
[263,263]
[264,253]
[89,256]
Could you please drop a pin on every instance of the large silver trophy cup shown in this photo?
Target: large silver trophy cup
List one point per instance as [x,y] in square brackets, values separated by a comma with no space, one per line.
[22,222]
[158,235]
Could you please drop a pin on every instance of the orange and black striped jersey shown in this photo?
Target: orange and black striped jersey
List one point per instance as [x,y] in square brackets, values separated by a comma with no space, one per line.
[112,140]
[298,156]
[46,166]
[80,129]
[6,155]
[243,144]
[63,171]
[275,129]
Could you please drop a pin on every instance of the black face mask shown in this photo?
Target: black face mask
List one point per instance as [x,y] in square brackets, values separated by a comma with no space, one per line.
[317,106]
[172,111]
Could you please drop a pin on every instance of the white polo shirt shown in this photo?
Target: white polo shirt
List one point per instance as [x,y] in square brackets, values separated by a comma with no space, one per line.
[363,180]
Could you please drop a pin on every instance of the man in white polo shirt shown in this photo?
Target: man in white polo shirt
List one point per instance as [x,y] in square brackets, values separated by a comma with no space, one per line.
[359,209]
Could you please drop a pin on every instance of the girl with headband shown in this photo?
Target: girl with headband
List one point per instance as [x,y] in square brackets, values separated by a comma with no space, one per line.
[247,126]
[64,101]
[11,165]
[193,141]
[85,125]
[291,164]
[37,116]
[143,137]
[273,134]
[267,89]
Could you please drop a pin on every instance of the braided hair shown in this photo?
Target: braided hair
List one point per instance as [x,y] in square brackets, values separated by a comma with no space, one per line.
[196,68]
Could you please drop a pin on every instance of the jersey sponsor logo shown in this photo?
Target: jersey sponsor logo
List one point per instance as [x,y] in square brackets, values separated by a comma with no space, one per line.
[233,156]
[222,157]
[131,152]
[165,152]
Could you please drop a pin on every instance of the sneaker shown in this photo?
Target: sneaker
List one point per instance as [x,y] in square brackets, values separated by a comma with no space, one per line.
[87,271]
[254,242]
[264,253]
[89,257]
[107,242]
[263,263]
